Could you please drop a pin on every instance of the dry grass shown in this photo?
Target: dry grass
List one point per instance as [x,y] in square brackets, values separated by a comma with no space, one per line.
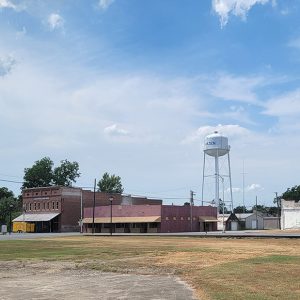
[216,268]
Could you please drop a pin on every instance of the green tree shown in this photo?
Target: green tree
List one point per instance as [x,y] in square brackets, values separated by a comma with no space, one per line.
[110,184]
[5,193]
[273,211]
[8,204]
[221,204]
[241,209]
[66,173]
[260,208]
[42,173]
[292,193]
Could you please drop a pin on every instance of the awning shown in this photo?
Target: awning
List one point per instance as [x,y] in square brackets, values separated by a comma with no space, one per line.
[154,219]
[207,219]
[35,217]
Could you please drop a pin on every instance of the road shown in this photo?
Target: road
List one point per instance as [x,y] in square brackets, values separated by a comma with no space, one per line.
[218,234]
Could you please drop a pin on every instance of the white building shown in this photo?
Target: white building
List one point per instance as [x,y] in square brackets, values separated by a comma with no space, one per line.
[220,221]
[290,214]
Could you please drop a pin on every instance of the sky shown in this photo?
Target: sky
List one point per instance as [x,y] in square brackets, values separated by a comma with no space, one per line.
[132,87]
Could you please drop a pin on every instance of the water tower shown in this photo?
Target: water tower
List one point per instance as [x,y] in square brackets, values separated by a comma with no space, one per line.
[216,146]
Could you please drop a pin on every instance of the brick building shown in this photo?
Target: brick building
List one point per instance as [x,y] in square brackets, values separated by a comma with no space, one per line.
[59,209]
[150,218]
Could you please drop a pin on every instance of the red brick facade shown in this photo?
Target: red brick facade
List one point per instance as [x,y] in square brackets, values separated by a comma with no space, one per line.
[171,218]
[66,202]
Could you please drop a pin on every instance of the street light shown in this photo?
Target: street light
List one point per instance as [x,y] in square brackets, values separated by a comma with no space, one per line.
[10,210]
[111,201]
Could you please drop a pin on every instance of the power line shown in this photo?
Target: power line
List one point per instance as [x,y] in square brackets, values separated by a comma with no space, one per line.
[11,181]
[7,175]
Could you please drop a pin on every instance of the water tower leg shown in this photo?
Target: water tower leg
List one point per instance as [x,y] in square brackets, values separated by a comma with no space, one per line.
[230,183]
[217,197]
[203,173]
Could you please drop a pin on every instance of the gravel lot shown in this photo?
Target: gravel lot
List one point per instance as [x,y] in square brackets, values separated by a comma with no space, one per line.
[65,280]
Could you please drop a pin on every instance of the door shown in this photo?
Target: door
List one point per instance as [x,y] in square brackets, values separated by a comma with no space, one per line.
[234,226]
[253,224]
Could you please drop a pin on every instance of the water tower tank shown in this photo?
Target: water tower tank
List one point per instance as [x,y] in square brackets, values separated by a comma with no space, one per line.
[216,145]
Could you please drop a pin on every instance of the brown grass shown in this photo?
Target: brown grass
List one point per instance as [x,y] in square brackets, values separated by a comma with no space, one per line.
[216,268]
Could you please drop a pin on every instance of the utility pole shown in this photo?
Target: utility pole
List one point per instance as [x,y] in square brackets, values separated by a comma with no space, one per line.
[278,210]
[10,223]
[191,207]
[256,212]
[111,212]
[81,212]
[94,203]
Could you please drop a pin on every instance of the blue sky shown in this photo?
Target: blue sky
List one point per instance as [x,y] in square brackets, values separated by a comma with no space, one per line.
[132,87]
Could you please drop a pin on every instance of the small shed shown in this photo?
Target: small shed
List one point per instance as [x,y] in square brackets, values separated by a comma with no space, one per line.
[233,223]
[254,221]
[242,219]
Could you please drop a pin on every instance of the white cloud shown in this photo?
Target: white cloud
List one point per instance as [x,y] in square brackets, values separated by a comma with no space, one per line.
[286,105]
[55,21]
[254,187]
[68,109]
[21,33]
[104,4]
[295,43]
[8,4]
[115,130]
[6,64]
[242,89]
[227,130]
[285,11]
[237,8]
[235,190]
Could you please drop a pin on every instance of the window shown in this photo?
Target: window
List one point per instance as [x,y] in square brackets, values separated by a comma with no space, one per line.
[153,225]
[120,225]
[48,205]
[36,194]
[181,218]
[53,205]
[136,225]
[194,218]
[44,205]
[38,206]
[174,218]
[57,205]
[34,205]
[106,225]
[167,218]
[189,218]
[29,206]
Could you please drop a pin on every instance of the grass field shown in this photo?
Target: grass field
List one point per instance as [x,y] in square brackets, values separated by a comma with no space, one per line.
[215,268]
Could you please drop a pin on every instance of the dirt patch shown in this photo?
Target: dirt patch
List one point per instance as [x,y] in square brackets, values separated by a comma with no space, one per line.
[68,280]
